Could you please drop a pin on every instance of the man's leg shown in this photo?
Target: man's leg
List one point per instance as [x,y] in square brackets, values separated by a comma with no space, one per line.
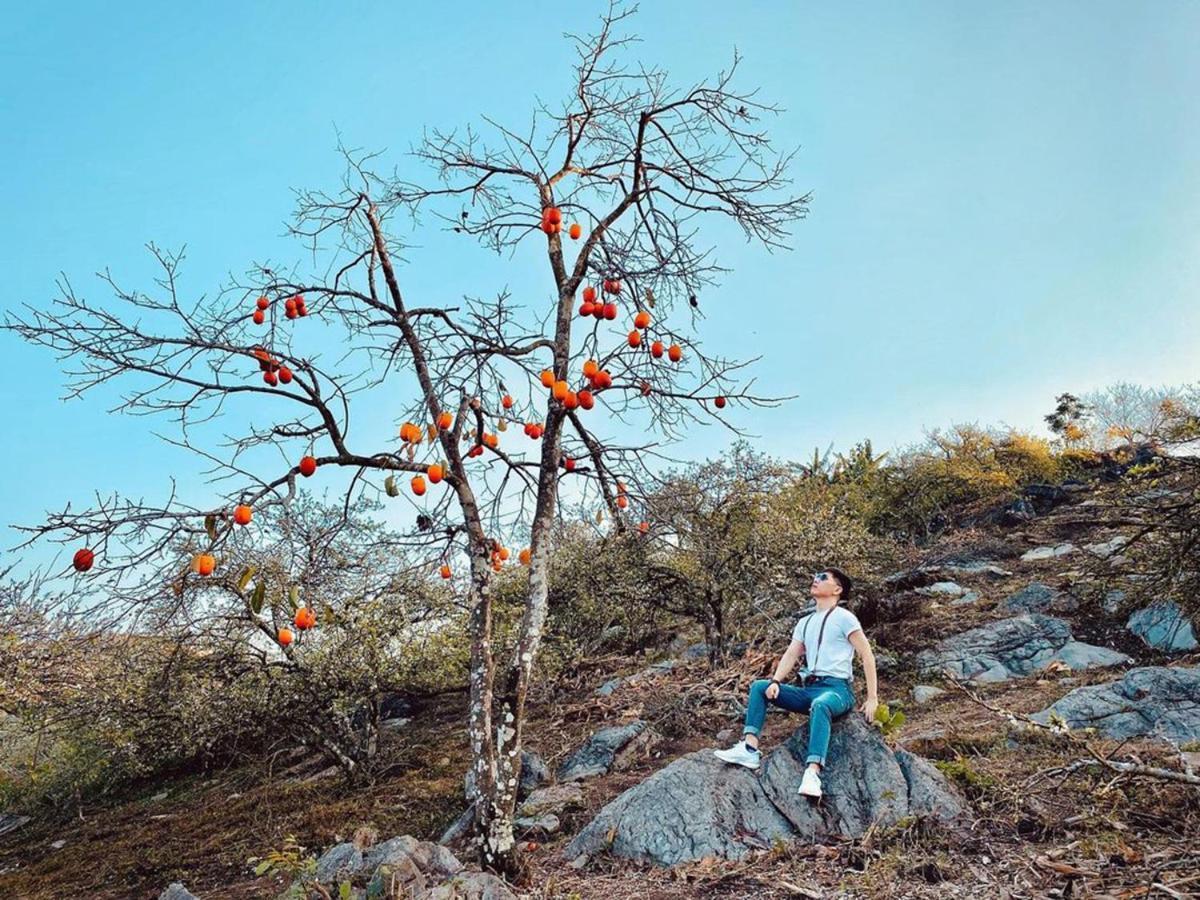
[790,697]
[826,706]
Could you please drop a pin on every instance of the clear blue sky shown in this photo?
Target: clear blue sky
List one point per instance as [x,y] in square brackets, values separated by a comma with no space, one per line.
[1006,197]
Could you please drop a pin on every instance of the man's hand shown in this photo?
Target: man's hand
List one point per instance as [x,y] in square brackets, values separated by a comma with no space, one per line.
[868,708]
[772,691]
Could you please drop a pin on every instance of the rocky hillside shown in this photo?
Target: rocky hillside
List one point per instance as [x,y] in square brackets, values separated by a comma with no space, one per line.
[990,642]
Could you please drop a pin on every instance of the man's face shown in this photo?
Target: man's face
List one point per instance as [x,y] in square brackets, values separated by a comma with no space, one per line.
[824,585]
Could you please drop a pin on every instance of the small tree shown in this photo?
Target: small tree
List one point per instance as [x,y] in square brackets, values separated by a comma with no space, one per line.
[638,167]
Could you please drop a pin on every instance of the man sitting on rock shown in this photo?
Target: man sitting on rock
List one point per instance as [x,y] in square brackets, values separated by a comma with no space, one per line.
[828,637]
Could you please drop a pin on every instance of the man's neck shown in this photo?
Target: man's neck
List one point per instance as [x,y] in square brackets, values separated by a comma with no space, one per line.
[824,604]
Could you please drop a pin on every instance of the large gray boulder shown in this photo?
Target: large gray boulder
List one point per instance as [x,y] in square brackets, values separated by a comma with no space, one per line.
[700,806]
[339,863]
[1153,701]
[1163,626]
[176,891]
[1014,647]
[1038,597]
[599,752]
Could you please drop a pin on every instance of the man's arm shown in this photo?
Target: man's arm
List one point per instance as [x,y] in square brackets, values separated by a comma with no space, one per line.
[862,646]
[788,661]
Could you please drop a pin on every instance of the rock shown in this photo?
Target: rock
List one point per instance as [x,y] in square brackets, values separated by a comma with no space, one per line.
[695,651]
[459,827]
[609,686]
[1108,548]
[1044,497]
[596,756]
[339,863]
[1038,553]
[1012,647]
[942,589]
[1018,512]
[547,824]
[886,661]
[978,567]
[725,735]
[58,845]
[533,773]
[1152,701]
[176,891]
[923,693]
[405,866]
[1038,597]
[929,793]
[1113,601]
[699,806]
[394,724]
[966,599]
[472,886]
[11,822]
[1163,626]
[553,799]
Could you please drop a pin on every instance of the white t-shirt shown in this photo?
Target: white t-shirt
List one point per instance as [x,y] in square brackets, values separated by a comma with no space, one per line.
[836,656]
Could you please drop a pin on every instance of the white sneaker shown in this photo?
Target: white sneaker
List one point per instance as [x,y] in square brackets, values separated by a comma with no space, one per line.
[740,754]
[810,784]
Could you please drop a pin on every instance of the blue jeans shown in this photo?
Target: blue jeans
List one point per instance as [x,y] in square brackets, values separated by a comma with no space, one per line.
[823,699]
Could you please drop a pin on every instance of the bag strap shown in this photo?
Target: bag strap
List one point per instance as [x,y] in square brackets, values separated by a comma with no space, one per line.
[820,637]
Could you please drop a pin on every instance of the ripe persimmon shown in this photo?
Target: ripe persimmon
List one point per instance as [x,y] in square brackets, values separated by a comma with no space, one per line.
[285,637]
[622,501]
[204,564]
[554,215]
[589,294]
[445,570]
[491,440]
[259,317]
[590,368]
[504,553]
[547,378]
[262,302]
[575,231]
[308,465]
[436,473]
[586,400]
[568,464]
[656,349]
[675,354]
[610,311]
[285,375]
[641,320]
[635,338]
[270,378]
[242,514]
[418,485]
[560,390]
[720,402]
[644,527]
[83,559]
[586,309]
[507,401]
[305,618]
[444,421]
[524,556]
[571,400]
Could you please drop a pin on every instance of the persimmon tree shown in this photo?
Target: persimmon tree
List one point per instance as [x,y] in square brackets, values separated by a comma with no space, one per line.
[611,188]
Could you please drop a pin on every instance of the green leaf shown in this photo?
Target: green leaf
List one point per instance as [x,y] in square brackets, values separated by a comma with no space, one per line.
[262,867]
[210,525]
[344,890]
[244,578]
[389,485]
[260,594]
[294,597]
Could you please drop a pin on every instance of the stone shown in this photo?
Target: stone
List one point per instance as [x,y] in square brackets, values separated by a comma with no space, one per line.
[405,866]
[460,827]
[394,724]
[596,755]
[1152,701]
[1039,553]
[1038,597]
[11,822]
[1113,601]
[339,863]
[698,806]
[547,824]
[176,891]
[1163,626]
[1108,548]
[886,661]
[978,567]
[472,886]
[942,589]
[1018,512]
[695,651]
[609,686]
[966,599]
[552,799]
[1012,647]
[923,693]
